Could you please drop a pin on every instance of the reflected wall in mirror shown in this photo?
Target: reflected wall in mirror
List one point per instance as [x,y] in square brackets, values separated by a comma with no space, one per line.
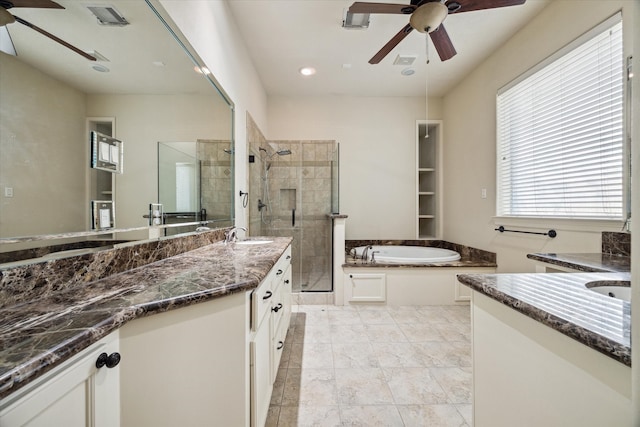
[143,84]
[195,182]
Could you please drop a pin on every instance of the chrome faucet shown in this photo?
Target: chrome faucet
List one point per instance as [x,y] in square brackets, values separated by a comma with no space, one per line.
[232,235]
[373,256]
[365,252]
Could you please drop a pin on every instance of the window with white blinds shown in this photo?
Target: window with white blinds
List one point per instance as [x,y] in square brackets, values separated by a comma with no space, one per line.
[560,133]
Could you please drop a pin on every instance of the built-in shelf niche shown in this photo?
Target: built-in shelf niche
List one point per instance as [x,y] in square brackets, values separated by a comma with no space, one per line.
[101,184]
[428,179]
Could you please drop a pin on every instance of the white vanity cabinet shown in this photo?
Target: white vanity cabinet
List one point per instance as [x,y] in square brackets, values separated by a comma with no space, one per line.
[270,317]
[188,366]
[75,393]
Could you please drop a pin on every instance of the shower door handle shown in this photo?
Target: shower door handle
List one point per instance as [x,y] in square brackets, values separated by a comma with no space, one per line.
[293,217]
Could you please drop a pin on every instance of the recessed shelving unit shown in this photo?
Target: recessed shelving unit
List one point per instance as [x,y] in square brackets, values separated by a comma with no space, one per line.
[428,178]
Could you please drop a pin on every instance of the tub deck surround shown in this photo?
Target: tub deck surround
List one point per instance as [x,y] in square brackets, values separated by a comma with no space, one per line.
[469,257]
[39,278]
[588,262]
[37,335]
[563,302]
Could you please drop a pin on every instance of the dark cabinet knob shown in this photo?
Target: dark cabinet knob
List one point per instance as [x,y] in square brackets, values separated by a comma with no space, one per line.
[277,307]
[102,360]
[279,272]
[113,360]
[280,345]
[110,361]
[267,295]
[286,281]
[288,256]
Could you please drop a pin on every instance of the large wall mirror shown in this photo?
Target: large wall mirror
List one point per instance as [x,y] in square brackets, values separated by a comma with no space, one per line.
[147,86]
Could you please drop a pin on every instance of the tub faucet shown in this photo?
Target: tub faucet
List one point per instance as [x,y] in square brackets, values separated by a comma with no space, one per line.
[232,235]
[365,252]
[373,256]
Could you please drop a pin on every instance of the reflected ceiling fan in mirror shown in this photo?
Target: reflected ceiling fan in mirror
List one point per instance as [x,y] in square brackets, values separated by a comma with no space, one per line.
[6,45]
[427,17]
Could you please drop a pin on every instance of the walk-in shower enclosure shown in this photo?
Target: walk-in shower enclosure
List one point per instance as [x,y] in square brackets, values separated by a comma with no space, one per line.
[293,188]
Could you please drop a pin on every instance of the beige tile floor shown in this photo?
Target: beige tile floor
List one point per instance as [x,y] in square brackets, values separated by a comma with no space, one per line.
[375,366]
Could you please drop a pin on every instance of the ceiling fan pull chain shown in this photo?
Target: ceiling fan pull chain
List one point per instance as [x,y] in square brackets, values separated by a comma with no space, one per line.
[426,86]
[426,45]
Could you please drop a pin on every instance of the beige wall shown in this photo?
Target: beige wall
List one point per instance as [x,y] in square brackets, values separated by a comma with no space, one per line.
[211,30]
[141,121]
[469,145]
[43,153]
[377,154]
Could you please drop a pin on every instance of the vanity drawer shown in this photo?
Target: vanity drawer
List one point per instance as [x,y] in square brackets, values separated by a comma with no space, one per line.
[261,301]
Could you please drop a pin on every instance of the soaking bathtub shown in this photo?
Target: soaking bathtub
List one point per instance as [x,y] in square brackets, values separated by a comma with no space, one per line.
[392,254]
[407,275]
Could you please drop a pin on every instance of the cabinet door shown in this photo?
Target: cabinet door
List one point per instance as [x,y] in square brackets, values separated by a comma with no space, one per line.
[261,383]
[74,394]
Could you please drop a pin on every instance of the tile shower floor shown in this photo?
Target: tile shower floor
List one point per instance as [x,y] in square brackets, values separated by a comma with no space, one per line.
[375,366]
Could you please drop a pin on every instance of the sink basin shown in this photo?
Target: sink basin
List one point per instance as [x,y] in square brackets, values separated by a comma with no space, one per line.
[612,288]
[253,242]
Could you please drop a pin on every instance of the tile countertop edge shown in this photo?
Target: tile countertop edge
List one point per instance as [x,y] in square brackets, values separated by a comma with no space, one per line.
[28,370]
[593,340]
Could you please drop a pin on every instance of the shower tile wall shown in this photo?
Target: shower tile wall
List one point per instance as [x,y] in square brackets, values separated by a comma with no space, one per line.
[300,181]
[215,178]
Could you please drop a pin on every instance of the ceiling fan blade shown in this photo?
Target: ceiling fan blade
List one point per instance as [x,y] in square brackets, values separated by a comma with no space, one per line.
[443,43]
[6,44]
[391,44]
[470,5]
[365,7]
[39,4]
[54,38]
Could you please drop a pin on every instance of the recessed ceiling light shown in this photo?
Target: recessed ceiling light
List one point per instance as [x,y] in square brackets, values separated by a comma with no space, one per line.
[100,68]
[307,71]
[408,72]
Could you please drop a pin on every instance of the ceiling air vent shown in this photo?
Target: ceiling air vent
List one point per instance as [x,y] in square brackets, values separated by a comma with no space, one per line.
[108,15]
[355,21]
[404,60]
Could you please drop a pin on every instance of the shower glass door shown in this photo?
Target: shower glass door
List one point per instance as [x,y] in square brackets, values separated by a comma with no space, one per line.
[293,186]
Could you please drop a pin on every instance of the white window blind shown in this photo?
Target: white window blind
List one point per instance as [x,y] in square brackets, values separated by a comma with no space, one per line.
[560,134]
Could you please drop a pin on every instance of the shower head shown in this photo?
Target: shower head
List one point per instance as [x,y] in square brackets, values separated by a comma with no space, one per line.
[283,152]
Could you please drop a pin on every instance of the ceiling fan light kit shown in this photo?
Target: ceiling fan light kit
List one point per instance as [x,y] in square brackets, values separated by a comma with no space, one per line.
[428,17]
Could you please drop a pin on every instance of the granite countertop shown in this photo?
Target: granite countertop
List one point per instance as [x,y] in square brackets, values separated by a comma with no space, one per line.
[590,262]
[563,302]
[37,335]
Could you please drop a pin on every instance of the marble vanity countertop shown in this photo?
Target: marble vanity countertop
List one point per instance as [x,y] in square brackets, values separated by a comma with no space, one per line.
[563,302]
[37,335]
[589,262]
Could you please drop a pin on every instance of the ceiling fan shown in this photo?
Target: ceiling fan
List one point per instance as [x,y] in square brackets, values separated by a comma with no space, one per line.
[7,18]
[427,17]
